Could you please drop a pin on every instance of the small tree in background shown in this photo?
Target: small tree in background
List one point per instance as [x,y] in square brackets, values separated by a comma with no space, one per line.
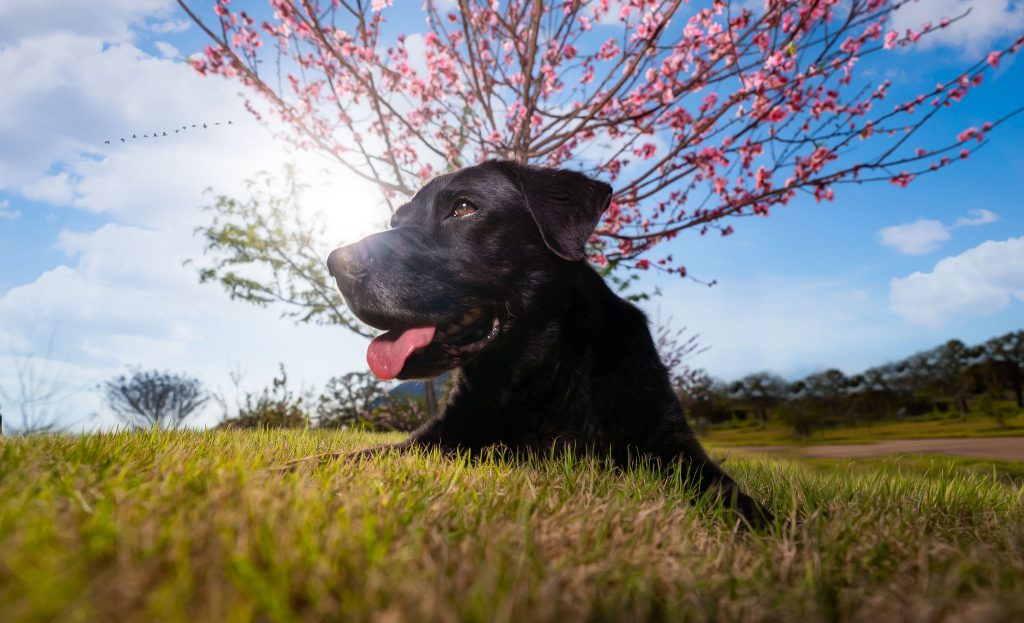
[275,407]
[699,394]
[1005,355]
[675,348]
[154,399]
[948,367]
[40,395]
[349,400]
[760,391]
[401,414]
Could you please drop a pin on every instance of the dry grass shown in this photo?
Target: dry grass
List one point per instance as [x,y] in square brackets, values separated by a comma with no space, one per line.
[192,526]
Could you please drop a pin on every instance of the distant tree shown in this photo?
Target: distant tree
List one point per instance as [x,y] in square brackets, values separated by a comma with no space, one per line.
[700,395]
[797,414]
[274,407]
[349,399]
[1005,356]
[39,394]
[401,414]
[997,409]
[760,391]
[948,367]
[154,399]
[876,395]
[827,394]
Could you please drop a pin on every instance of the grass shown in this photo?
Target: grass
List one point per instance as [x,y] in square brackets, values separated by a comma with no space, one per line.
[192,526]
[931,427]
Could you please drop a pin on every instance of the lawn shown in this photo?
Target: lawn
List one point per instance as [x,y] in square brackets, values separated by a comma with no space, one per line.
[931,427]
[194,526]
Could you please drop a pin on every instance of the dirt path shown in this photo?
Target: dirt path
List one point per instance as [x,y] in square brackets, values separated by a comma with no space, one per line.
[999,448]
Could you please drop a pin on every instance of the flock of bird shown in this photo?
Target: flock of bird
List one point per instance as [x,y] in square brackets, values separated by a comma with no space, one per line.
[161,133]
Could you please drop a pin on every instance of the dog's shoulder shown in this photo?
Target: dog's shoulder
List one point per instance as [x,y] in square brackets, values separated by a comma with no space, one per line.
[612,326]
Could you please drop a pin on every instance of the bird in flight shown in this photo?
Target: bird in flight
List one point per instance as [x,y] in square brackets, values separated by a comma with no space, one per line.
[161,133]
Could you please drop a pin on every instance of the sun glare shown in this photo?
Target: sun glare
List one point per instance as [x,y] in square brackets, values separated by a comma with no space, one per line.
[349,207]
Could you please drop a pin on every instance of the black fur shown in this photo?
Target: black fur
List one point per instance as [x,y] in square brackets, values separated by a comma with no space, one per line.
[573,365]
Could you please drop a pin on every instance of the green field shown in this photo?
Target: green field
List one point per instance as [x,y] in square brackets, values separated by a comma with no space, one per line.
[193,526]
[932,427]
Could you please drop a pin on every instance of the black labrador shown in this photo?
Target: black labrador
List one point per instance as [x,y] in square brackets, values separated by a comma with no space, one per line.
[483,270]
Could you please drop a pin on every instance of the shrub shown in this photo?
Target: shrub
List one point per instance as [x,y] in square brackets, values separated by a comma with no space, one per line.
[274,407]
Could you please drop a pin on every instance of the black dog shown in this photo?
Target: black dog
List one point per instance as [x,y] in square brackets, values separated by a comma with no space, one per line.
[484,271]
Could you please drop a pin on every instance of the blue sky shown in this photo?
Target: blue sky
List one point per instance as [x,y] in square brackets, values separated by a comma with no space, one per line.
[92,237]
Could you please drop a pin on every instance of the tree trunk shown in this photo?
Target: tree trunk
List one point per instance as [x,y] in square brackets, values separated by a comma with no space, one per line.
[431,398]
[1018,390]
[962,403]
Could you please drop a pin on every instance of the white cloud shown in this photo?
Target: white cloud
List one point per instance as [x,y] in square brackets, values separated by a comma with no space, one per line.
[82,92]
[917,238]
[6,213]
[987,21]
[790,325]
[976,217]
[978,282]
[53,189]
[110,20]
[123,296]
[611,18]
[174,26]
[126,299]
[167,50]
[926,235]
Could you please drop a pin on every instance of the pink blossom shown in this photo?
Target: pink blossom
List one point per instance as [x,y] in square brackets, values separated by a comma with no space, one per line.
[903,179]
[755,139]
[967,134]
[993,58]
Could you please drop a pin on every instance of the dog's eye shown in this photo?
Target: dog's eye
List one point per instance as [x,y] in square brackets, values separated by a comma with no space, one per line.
[463,207]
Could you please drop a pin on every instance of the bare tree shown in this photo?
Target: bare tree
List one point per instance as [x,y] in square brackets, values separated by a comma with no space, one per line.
[40,394]
[154,398]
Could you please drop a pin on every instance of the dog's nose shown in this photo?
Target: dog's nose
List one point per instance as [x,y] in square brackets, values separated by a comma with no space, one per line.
[348,262]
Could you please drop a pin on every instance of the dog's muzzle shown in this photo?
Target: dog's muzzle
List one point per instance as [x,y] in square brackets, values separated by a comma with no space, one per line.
[349,263]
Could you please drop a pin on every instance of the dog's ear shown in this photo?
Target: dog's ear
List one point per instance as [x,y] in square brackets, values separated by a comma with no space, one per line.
[566,206]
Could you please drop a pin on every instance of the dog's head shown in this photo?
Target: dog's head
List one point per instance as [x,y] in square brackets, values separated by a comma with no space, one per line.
[471,255]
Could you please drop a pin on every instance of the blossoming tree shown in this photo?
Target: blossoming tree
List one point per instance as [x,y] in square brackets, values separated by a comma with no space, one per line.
[697,112]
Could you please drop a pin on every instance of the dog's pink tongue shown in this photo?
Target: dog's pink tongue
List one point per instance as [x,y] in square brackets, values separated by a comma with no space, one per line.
[387,352]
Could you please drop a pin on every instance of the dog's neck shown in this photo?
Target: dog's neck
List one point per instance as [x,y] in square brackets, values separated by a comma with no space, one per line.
[545,349]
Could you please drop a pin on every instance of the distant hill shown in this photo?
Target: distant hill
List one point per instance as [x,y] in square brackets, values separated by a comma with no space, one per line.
[415,389]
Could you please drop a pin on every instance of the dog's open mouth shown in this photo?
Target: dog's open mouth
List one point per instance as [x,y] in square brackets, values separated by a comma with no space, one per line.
[399,352]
